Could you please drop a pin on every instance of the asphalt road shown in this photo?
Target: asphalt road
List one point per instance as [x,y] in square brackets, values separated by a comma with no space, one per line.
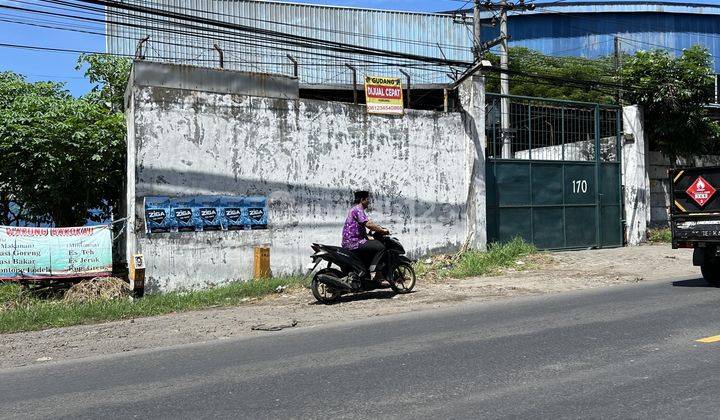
[613,352]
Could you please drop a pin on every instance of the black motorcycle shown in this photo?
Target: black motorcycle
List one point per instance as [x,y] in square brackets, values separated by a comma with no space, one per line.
[347,273]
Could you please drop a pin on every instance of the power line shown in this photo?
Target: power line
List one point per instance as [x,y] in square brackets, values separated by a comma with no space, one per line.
[176,31]
[197,34]
[159,28]
[576,82]
[537,76]
[580,48]
[314,28]
[297,40]
[67,50]
[76,51]
[170,26]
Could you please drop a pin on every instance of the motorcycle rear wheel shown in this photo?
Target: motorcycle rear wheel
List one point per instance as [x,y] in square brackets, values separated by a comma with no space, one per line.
[403,280]
[322,292]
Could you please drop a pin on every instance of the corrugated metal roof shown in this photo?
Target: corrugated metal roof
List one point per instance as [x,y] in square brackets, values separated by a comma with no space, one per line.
[364,9]
[424,34]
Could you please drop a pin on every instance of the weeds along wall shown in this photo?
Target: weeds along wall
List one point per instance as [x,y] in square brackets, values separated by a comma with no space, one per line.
[307,157]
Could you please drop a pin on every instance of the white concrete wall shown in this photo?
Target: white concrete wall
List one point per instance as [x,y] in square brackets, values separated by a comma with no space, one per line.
[308,157]
[472,101]
[580,151]
[635,177]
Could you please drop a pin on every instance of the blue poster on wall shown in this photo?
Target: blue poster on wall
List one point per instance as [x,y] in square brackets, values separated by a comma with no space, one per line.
[257,212]
[205,213]
[182,215]
[157,214]
[232,214]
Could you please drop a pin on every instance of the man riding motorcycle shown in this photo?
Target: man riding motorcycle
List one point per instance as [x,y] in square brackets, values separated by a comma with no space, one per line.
[362,263]
[355,237]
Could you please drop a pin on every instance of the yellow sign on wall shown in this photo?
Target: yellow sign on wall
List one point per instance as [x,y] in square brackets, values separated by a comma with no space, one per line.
[383,95]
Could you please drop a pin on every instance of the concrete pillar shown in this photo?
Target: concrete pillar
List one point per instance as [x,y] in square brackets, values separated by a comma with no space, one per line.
[472,102]
[130,199]
[635,177]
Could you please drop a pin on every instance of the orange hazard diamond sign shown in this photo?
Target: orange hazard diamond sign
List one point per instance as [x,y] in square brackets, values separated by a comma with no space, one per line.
[701,191]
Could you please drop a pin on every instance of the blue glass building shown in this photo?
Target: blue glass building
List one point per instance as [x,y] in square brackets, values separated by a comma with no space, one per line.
[588,28]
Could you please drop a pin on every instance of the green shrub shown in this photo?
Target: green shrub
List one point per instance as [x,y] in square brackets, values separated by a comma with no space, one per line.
[661,235]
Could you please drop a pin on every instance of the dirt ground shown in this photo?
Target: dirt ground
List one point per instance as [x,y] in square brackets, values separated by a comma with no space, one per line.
[545,273]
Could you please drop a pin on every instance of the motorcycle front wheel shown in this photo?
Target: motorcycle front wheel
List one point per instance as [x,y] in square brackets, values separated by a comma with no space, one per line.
[403,280]
[322,292]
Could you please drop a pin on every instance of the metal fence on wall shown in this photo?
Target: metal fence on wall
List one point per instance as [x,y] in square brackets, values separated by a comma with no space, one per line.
[173,41]
[546,129]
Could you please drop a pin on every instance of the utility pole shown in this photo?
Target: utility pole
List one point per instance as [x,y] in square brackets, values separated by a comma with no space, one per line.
[506,151]
[502,6]
[476,30]
[618,65]
[478,46]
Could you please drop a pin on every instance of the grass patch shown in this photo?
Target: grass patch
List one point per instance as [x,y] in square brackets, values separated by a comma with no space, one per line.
[477,263]
[660,236]
[9,293]
[21,312]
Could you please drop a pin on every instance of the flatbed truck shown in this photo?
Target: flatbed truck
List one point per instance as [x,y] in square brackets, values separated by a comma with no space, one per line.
[695,217]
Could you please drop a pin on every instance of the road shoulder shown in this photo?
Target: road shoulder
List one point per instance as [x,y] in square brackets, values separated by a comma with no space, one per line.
[558,272]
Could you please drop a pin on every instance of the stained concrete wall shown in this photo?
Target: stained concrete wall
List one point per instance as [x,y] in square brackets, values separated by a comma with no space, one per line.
[472,103]
[635,177]
[307,157]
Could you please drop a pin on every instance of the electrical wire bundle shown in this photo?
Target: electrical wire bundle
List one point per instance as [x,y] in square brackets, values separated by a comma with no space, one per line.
[251,43]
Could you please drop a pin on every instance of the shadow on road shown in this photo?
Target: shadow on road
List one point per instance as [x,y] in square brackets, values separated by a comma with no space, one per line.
[693,283]
[379,294]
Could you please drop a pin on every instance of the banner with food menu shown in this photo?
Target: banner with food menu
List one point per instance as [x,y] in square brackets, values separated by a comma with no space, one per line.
[43,253]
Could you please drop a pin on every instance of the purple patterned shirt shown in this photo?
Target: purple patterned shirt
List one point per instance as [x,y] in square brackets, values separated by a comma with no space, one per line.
[354,233]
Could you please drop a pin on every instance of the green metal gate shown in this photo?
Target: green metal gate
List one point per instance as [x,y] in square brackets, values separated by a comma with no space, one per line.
[554,177]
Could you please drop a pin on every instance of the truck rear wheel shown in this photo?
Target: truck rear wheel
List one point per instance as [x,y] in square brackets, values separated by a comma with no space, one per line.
[711,273]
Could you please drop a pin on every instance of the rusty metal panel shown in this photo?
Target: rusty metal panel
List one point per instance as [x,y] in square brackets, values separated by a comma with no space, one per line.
[146,73]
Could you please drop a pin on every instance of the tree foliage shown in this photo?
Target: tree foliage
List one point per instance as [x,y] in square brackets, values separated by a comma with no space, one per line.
[61,158]
[523,61]
[12,88]
[109,74]
[673,92]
